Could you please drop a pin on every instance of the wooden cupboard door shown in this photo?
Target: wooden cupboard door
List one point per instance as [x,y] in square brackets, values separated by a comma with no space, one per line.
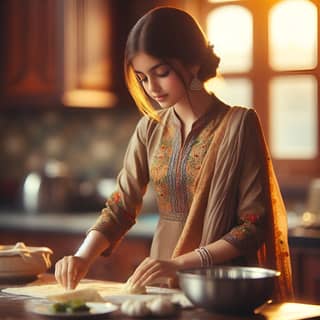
[58,52]
[30,59]
[306,274]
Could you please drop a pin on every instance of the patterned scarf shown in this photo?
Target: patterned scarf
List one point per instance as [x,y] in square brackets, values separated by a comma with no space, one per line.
[215,193]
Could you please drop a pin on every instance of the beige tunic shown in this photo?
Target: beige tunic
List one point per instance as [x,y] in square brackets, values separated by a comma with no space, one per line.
[157,153]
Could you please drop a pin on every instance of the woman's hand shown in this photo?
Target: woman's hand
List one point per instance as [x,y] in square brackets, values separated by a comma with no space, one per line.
[70,270]
[151,269]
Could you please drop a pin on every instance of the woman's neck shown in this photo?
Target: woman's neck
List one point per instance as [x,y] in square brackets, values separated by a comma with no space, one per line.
[190,110]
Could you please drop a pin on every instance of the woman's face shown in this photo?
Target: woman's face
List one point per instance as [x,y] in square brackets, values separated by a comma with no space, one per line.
[159,80]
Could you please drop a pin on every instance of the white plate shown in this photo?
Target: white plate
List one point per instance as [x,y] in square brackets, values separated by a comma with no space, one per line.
[96,309]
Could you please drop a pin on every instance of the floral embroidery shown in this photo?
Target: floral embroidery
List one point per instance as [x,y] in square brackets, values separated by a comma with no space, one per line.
[248,222]
[250,217]
[242,231]
[173,171]
[115,199]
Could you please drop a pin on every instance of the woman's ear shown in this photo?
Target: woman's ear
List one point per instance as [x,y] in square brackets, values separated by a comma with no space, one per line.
[194,70]
[195,83]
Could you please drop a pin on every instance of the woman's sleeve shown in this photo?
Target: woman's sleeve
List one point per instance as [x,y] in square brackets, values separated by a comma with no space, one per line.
[125,202]
[249,232]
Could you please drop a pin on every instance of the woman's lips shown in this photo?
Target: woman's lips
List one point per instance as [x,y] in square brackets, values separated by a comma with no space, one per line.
[160,98]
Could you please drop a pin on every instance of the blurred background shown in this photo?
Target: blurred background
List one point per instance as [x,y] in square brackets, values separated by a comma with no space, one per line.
[66,116]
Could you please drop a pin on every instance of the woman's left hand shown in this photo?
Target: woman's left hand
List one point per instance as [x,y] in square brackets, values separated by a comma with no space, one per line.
[151,269]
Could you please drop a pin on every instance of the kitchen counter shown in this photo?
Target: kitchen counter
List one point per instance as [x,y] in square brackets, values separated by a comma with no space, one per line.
[77,223]
[302,237]
[63,233]
[12,307]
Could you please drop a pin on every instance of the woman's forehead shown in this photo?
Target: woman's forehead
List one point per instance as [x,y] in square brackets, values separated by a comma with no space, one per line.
[143,62]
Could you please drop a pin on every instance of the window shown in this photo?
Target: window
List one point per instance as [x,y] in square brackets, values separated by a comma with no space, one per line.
[293,112]
[236,23]
[293,35]
[293,98]
[269,60]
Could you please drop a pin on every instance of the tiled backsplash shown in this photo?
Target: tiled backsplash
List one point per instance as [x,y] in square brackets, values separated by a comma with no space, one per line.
[90,143]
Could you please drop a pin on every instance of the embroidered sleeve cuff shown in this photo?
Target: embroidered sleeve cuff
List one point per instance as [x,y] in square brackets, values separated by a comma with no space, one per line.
[114,229]
[246,238]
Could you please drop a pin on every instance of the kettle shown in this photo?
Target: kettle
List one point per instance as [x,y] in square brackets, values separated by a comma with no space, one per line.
[48,190]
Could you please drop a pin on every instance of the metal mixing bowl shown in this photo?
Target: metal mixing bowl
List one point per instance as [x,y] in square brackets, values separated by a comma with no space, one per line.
[228,289]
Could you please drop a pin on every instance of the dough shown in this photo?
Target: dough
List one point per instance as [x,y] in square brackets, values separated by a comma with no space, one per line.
[131,289]
[135,308]
[86,295]
[161,306]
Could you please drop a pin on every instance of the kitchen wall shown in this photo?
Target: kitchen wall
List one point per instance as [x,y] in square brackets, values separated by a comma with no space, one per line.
[36,128]
[89,143]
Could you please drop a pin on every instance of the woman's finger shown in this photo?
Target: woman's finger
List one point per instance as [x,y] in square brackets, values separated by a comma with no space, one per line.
[71,273]
[57,272]
[150,268]
[151,277]
[64,272]
[141,269]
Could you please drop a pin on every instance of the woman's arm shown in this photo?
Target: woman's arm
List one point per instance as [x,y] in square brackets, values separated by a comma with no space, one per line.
[220,252]
[71,269]
[152,269]
[118,215]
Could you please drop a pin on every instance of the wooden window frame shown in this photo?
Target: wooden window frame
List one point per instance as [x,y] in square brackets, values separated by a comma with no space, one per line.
[292,173]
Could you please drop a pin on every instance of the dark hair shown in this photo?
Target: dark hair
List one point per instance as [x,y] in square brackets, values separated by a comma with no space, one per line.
[168,33]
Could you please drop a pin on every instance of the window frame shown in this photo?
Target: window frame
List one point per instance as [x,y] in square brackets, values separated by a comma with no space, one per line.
[292,173]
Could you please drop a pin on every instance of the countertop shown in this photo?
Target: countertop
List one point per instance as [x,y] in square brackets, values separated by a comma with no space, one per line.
[13,307]
[72,223]
[79,223]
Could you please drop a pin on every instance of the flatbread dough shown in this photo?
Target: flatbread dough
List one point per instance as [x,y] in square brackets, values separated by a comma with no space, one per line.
[86,295]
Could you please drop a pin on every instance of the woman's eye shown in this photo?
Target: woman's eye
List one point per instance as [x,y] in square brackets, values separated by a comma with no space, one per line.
[163,73]
[141,79]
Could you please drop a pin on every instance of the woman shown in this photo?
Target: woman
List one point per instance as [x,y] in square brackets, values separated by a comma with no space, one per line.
[217,196]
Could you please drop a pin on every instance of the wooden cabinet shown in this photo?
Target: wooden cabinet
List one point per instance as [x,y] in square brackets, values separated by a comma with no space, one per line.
[306,273]
[118,267]
[305,258]
[57,52]
[29,61]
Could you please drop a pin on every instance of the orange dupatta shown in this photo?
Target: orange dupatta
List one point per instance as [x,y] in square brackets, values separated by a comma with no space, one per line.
[214,191]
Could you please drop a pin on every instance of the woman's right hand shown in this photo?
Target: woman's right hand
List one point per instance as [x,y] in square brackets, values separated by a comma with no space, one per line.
[70,270]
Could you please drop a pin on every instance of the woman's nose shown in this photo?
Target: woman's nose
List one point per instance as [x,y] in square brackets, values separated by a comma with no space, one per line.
[153,85]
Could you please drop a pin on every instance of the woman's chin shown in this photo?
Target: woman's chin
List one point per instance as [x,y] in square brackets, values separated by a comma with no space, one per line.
[165,105]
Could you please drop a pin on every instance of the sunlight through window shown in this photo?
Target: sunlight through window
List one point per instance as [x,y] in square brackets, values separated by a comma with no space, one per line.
[293,35]
[233,91]
[230,31]
[294,117]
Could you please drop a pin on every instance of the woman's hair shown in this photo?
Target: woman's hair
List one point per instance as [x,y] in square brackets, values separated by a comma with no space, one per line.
[167,33]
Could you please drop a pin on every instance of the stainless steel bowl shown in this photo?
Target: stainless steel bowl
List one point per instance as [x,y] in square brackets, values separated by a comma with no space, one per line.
[228,289]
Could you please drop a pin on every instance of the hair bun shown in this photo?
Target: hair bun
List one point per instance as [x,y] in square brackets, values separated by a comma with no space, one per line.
[209,65]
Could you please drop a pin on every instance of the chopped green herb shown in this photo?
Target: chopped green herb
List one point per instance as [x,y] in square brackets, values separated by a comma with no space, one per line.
[71,306]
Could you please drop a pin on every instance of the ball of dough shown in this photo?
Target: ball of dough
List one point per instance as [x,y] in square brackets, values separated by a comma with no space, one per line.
[161,306]
[134,308]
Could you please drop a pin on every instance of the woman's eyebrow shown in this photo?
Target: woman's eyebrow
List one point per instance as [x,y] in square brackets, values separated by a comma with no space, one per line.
[152,68]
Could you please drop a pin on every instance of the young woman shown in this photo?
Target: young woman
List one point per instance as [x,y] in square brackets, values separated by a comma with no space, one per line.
[218,199]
